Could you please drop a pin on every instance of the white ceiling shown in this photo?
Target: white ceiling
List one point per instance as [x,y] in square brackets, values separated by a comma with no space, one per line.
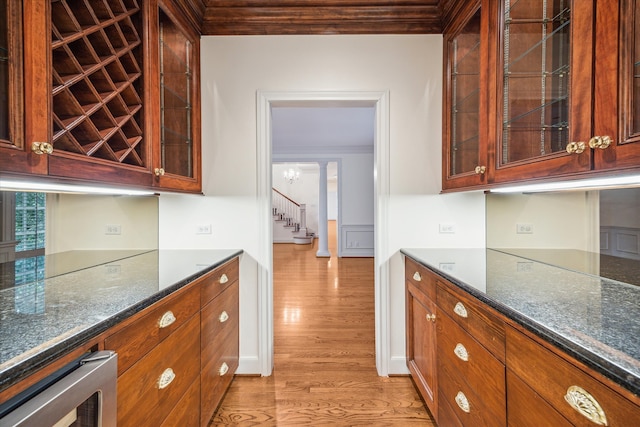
[297,130]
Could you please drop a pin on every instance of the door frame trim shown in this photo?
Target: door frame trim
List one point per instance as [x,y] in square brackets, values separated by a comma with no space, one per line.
[380,100]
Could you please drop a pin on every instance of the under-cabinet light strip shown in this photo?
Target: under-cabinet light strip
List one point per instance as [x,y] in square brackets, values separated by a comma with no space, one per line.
[9,185]
[585,184]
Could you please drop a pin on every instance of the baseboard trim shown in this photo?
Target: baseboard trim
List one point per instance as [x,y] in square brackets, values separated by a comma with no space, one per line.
[398,366]
[249,365]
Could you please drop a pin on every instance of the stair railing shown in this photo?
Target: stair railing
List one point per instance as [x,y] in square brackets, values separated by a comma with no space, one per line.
[288,210]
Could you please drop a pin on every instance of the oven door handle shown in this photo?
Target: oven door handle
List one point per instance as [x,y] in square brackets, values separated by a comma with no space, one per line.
[97,373]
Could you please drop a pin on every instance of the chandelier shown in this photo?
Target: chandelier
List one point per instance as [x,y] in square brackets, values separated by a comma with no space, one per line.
[291,175]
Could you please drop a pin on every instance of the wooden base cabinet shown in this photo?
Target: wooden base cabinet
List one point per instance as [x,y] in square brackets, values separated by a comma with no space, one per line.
[421,333]
[557,381]
[483,369]
[180,354]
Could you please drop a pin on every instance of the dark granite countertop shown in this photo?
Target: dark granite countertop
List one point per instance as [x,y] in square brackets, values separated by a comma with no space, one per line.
[594,319]
[83,294]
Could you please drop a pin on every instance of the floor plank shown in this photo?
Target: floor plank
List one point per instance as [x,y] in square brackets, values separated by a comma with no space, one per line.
[324,352]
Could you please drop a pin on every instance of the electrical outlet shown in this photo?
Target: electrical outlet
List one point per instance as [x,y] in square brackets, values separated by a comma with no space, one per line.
[447,228]
[522,228]
[203,229]
[447,266]
[113,229]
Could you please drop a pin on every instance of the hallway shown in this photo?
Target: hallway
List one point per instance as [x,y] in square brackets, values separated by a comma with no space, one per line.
[324,361]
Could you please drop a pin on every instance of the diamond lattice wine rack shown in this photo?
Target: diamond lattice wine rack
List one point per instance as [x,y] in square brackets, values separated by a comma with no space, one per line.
[97,79]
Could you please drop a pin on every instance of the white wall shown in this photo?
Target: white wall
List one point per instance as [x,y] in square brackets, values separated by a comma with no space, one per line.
[235,68]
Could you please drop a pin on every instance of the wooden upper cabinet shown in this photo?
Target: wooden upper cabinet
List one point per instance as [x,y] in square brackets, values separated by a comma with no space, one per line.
[545,89]
[176,119]
[617,90]
[96,82]
[464,99]
[19,88]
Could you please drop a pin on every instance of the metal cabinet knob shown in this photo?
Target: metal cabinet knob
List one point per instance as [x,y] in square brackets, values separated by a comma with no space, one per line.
[223,369]
[576,147]
[480,169]
[166,378]
[600,142]
[224,279]
[166,320]
[417,277]
[42,148]
[431,317]
[158,171]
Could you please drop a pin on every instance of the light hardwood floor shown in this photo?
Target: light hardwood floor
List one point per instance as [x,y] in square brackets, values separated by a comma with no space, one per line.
[324,360]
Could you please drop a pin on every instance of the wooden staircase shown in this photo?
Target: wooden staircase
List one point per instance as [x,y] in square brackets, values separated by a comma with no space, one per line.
[291,215]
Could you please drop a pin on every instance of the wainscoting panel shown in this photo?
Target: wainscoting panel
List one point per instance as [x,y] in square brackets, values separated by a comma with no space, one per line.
[620,241]
[357,241]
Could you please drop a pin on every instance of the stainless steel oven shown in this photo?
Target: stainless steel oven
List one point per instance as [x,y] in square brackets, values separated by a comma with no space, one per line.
[82,394]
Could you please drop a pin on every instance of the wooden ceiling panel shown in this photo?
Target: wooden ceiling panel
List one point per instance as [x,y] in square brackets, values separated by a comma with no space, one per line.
[255,17]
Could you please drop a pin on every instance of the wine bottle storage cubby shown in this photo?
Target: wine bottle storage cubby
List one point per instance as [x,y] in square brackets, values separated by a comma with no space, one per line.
[97,79]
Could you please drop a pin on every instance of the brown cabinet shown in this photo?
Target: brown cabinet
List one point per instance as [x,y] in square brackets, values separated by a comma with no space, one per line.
[559,92]
[177,358]
[421,332]
[556,382]
[471,380]
[488,370]
[464,98]
[87,90]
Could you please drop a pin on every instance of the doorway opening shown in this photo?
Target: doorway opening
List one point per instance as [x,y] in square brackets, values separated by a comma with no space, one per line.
[267,102]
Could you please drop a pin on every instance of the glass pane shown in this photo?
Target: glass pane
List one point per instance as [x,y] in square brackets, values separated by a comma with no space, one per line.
[464,54]
[4,72]
[536,78]
[175,102]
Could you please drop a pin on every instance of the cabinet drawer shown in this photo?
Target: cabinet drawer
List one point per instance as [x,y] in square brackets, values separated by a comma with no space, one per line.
[217,374]
[475,318]
[558,381]
[219,319]
[527,408]
[473,364]
[187,411]
[219,280]
[421,277]
[143,398]
[135,340]
[467,405]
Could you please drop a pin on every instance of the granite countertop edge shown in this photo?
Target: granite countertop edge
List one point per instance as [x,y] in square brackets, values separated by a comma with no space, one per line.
[598,363]
[31,365]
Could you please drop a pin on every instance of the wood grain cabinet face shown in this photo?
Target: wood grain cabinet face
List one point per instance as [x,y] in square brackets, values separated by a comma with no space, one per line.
[151,388]
[465,366]
[134,341]
[464,100]
[421,332]
[219,348]
[176,88]
[563,386]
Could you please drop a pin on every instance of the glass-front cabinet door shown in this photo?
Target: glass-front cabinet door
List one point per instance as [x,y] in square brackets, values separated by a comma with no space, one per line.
[464,148]
[177,162]
[545,87]
[617,79]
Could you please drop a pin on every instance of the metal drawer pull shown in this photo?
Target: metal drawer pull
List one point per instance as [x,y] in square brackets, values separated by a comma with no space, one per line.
[166,378]
[461,352]
[223,317]
[167,319]
[463,402]
[460,310]
[417,277]
[580,400]
[223,279]
[223,369]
